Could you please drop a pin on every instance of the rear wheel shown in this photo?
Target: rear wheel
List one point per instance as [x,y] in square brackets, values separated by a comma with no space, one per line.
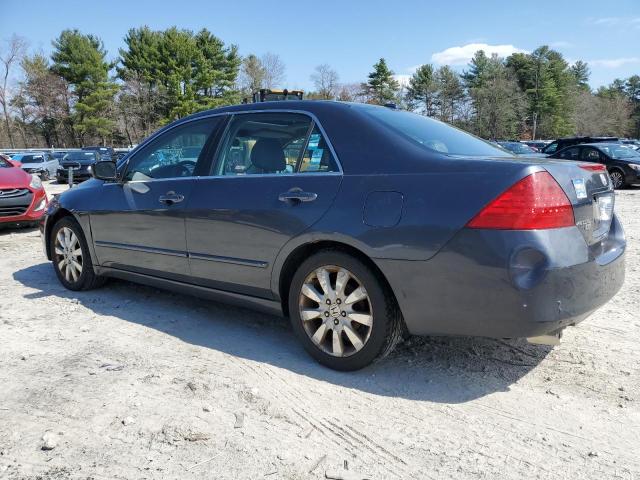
[617,178]
[344,316]
[45,175]
[71,258]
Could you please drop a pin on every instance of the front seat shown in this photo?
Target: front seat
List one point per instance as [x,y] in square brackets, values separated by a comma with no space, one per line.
[267,156]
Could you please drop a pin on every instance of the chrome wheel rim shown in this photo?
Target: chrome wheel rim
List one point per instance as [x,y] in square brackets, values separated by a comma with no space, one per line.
[616,178]
[336,311]
[68,254]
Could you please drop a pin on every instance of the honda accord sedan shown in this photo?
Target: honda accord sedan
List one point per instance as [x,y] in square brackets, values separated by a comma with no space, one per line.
[362,224]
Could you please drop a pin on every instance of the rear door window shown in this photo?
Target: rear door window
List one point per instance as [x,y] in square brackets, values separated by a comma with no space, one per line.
[591,155]
[273,143]
[572,153]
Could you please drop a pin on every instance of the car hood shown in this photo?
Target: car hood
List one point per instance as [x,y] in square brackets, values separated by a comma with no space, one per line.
[76,162]
[32,165]
[14,178]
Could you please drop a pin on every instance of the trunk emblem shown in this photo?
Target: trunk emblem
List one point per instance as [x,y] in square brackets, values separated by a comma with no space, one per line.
[580,188]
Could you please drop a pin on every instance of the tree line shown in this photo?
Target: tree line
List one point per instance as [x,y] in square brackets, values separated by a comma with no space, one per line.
[76,96]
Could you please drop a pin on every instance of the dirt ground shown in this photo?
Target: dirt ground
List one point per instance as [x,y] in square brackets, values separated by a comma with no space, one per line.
[130,382]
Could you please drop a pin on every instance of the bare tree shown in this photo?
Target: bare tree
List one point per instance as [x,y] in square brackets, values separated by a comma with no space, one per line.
[251,76]
[325,80]
[349,92]
[9,56]
[274,69]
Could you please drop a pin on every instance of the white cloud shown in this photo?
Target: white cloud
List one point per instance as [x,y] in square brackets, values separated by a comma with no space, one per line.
[614,62]
[616,21]
[463,54]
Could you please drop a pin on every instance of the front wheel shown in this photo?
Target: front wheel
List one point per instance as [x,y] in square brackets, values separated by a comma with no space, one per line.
[343,314]
[617,179]
[71,258]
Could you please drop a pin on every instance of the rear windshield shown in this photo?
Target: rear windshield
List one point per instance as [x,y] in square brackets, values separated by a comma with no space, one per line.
[517,147]
[432,134]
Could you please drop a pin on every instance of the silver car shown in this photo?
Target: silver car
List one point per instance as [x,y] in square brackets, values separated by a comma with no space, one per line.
[40,163]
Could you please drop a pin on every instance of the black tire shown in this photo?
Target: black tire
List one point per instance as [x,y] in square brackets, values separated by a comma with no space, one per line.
[87,279]
[386,330]
[45,176]
[617,178]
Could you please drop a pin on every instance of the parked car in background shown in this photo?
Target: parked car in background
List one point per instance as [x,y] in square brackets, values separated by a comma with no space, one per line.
[341,216]
[561,143]
[59,154]
[106,153]
[80,163]
[518,148]
[7,158]
[42,164]
[621,161]
[538,145]
[22,197]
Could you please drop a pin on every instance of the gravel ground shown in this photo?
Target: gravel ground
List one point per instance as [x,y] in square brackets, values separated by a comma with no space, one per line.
[132,382]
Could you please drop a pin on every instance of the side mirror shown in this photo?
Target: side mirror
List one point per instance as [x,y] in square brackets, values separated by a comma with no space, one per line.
[105,170]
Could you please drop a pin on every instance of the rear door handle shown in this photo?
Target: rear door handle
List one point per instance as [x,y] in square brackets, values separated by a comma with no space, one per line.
[171,198]
[297,196]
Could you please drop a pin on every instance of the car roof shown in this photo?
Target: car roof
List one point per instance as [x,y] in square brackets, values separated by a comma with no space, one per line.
[599,144]
[29,153]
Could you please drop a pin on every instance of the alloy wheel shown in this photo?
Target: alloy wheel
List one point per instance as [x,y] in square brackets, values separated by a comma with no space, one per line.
[336,311]
[68,253]
[616,179]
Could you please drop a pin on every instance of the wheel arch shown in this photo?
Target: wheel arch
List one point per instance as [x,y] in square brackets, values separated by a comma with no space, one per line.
[290,264]
[616,168]
[51,221]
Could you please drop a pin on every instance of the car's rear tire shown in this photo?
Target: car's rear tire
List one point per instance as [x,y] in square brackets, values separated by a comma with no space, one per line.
[71,257]
[617,178]
[45,176]
[344,315]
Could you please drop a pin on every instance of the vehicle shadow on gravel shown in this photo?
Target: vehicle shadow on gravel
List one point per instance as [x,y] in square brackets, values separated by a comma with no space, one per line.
[436,369]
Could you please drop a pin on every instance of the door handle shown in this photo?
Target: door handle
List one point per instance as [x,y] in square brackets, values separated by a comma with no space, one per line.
[297,196]
[171,198]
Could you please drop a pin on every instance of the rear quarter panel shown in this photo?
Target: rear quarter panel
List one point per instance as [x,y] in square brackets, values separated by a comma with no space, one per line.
[435,205]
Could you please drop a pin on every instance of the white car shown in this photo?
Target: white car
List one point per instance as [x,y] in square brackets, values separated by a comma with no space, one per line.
[40,163]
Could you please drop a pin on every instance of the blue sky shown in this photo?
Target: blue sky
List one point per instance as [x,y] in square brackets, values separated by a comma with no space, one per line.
[352,35]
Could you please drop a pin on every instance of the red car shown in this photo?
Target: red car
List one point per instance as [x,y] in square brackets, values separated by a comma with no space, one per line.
[22,197]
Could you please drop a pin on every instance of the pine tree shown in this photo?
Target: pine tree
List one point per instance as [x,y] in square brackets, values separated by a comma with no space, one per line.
[422,91]
[81,61]
[580,71]
[450,93]
[381,87]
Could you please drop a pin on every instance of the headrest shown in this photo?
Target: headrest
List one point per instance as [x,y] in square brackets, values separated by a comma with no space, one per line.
[267,154]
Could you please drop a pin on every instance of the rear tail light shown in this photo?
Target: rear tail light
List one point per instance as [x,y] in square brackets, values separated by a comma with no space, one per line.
[593,167]
[534,203]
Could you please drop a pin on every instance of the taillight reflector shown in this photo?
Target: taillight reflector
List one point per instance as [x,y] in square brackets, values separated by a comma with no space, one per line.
[536,202]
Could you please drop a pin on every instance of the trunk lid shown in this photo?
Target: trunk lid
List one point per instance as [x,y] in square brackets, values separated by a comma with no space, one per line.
[590,191]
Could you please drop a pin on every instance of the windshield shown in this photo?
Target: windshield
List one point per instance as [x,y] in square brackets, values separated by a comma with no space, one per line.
[79,156]
[517,147]
[28,158]
[432,134]
[619,152]
[4,163]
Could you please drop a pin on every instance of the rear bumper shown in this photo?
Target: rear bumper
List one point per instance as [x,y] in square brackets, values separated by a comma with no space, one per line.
[508,283]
